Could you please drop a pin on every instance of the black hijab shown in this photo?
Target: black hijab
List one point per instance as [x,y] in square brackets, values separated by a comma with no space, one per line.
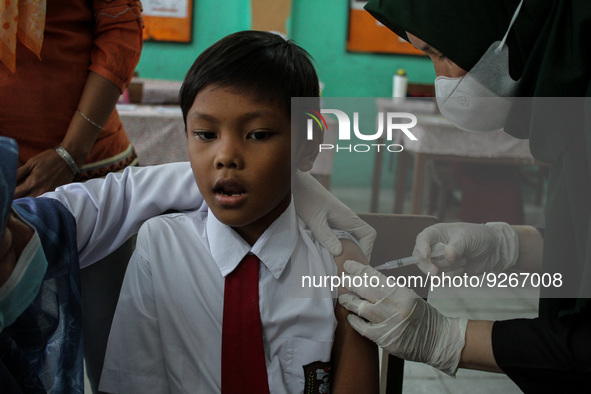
[550,51]
[549,44]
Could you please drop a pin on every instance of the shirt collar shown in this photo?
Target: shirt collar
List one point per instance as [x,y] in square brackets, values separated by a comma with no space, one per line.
[273,248]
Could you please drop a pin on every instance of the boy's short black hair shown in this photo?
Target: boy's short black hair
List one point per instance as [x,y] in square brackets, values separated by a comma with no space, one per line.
[261,63]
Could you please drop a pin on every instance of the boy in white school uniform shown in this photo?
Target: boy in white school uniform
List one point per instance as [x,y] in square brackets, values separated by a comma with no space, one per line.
[174,328]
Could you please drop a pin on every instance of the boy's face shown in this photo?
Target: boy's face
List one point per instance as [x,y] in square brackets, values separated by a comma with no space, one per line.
[240,153]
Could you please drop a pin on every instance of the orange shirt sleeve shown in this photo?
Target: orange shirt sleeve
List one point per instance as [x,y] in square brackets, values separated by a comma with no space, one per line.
[117,39]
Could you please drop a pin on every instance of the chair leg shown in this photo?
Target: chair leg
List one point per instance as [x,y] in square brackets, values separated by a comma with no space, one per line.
[395,375]
[441,203]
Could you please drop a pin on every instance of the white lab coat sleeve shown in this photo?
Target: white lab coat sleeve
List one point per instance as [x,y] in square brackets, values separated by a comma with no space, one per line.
[108,211]
[134,361]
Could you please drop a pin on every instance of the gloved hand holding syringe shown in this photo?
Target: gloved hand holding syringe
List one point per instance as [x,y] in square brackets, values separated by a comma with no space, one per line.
[437,251]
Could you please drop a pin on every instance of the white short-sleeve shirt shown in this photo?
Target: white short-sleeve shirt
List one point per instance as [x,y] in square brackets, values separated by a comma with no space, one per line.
[167,331]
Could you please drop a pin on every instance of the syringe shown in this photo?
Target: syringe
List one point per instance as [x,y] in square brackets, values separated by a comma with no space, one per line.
[437,251]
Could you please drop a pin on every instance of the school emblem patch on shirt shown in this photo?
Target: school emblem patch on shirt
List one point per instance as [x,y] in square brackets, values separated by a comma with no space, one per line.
[317,377]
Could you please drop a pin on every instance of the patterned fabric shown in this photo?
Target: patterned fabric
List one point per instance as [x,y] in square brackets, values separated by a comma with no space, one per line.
[101,168]
[25,19]
[42,350]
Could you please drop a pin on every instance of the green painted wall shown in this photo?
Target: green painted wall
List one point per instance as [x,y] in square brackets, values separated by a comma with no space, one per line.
[319,26]
[212,20]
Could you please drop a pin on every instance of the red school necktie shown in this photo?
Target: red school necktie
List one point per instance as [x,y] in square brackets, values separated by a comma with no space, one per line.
[243,355]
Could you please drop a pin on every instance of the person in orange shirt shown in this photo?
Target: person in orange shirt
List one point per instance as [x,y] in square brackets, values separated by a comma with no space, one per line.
[58,102]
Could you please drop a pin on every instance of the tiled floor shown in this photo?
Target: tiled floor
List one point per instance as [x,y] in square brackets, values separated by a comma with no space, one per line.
[87,388]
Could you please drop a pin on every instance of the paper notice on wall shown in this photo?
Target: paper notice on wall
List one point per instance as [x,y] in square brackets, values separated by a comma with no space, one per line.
[165,8]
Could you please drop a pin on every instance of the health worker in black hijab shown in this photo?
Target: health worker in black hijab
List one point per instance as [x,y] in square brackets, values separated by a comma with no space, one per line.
[525,67]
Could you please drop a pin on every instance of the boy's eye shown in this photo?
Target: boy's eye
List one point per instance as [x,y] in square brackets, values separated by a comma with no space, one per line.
[204,135]
[259,135]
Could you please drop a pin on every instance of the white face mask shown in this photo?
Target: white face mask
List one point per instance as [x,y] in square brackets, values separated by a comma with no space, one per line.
[24,282]
[481,99]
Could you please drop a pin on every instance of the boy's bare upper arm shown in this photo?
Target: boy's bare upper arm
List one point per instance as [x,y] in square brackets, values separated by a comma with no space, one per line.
[351,251]
[354,358]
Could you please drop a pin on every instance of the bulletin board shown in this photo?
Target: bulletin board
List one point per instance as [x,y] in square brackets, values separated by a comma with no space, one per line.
[168,20]
[366,34]
[270,15]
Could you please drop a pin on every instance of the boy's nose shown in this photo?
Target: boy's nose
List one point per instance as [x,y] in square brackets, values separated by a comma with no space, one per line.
[229,156]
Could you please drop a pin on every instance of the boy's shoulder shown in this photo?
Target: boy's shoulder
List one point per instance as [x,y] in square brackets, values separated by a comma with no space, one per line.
[178,234]
[173,222]
[340,234]
[180,217]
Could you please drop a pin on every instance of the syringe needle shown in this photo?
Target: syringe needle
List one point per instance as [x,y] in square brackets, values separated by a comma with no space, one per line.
[437,251]
[398,263]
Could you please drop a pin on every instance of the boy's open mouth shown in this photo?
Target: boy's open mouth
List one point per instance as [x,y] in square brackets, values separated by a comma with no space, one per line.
[228,187]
